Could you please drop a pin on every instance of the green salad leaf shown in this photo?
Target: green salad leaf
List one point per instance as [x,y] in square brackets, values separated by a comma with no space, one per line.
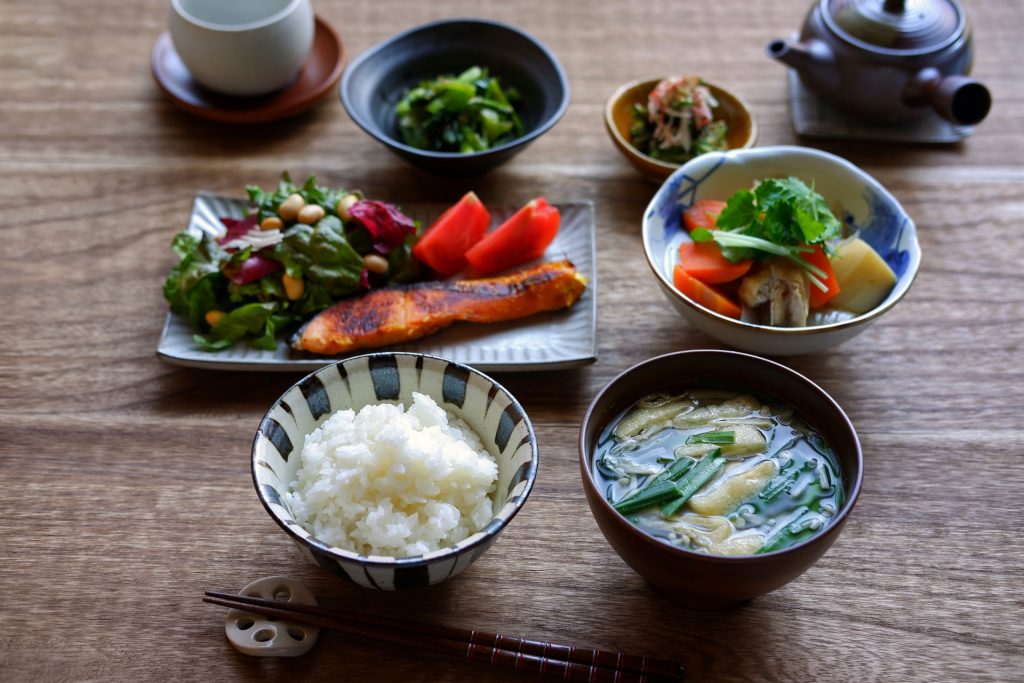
[323,253]
[207,285]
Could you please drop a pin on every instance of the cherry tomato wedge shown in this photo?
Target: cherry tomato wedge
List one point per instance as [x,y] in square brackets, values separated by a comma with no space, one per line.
[702,214]
[444,245]
[520,239]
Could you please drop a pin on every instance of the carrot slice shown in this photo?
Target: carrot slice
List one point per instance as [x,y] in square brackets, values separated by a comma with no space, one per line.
[702,214]
[818,298]
[704,261]
[694,289]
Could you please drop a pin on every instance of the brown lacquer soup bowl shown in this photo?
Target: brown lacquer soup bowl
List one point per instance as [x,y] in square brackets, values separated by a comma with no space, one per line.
[690,577]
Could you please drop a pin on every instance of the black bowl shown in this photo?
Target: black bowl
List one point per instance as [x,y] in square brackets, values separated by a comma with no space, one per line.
[375,82]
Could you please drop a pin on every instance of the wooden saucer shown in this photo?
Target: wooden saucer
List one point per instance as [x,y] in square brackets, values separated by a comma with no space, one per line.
[320,74]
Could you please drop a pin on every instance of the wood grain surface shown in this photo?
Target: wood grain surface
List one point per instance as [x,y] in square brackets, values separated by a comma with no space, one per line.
[126,487]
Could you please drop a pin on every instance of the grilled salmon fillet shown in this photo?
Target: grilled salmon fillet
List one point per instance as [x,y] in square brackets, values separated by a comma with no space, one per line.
[391,315]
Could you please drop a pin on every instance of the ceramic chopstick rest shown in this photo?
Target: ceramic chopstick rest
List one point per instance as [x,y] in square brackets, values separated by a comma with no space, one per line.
[259,636]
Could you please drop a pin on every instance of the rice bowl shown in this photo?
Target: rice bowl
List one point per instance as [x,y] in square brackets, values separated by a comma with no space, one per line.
[485,407]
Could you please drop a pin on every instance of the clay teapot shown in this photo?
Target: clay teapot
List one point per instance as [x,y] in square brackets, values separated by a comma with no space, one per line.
[888,60]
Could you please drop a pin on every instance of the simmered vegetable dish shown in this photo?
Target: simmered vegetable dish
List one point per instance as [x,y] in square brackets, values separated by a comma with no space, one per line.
[776,255]
[719,471]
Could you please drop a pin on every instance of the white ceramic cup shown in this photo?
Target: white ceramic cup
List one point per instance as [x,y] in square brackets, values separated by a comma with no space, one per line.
[242,47]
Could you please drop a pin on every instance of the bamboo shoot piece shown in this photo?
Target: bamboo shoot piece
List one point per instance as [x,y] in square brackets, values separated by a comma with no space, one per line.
[864,278]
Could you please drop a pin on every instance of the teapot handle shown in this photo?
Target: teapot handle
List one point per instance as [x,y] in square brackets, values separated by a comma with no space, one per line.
[961,100]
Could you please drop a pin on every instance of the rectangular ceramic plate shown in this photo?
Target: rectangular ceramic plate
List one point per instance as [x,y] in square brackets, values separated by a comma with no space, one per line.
[547,341]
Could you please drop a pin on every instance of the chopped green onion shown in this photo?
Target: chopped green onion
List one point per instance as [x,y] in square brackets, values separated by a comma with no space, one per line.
[651,495]
[691,483]
[712,437]
[780,529]
[677,469]
[777,485]
[674,471]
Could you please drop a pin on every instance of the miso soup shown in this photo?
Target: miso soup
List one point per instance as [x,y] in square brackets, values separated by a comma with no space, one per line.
[719,471]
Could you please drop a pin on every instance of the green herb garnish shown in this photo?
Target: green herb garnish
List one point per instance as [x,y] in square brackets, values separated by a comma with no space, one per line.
[779,217]
[467,113]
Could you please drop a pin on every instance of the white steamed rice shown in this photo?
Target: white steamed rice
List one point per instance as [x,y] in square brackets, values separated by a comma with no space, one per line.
[384,481]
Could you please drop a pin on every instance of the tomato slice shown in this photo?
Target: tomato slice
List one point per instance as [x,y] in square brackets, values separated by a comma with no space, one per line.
[521,238]
[444,245]
[818,298]
[702,214]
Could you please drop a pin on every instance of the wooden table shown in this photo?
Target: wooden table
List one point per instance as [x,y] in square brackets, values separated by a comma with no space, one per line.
[126,488]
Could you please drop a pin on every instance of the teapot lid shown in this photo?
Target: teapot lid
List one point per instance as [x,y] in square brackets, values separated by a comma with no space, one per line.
[900,26]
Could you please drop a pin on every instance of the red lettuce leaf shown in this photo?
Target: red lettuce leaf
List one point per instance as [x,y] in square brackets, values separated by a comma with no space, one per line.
[252,269]
[386,224]
[237,227]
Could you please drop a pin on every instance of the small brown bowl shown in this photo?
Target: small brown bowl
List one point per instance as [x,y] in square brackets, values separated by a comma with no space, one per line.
[731,108]
[696,579]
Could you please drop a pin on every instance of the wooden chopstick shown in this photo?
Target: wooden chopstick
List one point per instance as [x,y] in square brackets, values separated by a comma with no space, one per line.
[566,662]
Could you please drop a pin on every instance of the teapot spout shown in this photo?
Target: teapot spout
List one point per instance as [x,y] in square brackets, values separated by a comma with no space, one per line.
[959,99]
[812,59]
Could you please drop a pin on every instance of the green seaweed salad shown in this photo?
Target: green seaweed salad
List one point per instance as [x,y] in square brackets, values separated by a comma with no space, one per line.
[298,250]
[467,113]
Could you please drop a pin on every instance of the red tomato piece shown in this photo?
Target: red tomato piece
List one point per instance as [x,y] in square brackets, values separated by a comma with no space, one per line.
[702,214]
[818,298]
[444,245]
[520,239]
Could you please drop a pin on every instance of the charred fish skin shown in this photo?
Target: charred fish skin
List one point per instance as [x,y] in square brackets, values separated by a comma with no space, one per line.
[392,315]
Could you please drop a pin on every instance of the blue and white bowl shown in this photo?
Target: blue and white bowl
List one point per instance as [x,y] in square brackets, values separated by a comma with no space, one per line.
[857,199]
[487,407]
